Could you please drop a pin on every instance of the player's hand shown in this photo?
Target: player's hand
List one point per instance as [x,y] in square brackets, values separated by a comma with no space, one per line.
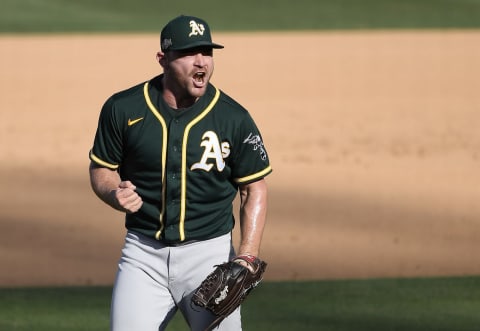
[246,260]
[127,199]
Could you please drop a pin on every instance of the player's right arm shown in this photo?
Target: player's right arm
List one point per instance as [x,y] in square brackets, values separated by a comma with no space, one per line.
[118,194]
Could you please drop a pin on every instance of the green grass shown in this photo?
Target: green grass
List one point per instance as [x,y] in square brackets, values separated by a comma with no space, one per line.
[439,304]
[150,15]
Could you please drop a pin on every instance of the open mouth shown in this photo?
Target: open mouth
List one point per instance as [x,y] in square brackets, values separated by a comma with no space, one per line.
[199,77]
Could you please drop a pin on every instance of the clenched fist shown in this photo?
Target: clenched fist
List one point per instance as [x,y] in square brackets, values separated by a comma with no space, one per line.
[126,197]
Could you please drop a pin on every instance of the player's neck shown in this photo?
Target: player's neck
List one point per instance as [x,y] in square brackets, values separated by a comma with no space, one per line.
[177,99]
[178,102]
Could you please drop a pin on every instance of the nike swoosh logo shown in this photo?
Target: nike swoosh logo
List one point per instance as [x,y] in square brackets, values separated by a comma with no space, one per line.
[132,122]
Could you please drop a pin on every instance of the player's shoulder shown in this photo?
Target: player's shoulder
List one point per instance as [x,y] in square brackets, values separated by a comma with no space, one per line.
[125,102]
[126,94]
[226,103]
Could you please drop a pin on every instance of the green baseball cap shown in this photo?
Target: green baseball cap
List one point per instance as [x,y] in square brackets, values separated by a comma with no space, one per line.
[185,32]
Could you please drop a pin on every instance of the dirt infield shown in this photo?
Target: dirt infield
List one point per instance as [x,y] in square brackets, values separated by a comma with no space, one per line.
[374,139]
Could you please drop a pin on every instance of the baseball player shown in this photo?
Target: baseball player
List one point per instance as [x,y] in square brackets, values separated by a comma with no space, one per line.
[172,153]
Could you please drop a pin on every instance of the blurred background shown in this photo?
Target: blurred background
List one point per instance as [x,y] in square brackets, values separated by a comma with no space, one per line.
[369,111]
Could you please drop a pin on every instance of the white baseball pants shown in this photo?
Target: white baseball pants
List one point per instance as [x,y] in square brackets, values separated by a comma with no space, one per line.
[154,281]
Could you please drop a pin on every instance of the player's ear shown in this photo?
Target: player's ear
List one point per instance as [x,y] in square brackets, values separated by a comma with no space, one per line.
[161,59]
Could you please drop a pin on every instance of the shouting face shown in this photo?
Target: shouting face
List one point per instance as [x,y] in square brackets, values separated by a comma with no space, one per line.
[186,75]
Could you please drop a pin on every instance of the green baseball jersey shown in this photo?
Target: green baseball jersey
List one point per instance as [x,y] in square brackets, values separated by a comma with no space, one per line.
[186,164]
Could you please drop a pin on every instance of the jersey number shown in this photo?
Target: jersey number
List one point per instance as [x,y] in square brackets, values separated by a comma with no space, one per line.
[212,150]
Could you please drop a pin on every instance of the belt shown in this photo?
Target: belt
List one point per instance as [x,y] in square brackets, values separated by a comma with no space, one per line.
[180,243]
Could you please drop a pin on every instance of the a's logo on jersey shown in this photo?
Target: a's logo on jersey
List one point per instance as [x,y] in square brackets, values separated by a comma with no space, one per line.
[197,29]
[257,144]
[212,150]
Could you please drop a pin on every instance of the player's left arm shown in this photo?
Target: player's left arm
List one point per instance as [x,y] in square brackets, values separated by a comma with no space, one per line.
[253,213]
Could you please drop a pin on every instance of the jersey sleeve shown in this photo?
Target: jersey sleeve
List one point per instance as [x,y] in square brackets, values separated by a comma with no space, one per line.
[107,146]
[250,160]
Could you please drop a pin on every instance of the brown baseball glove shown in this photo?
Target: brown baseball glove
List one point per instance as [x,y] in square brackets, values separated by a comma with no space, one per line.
[228,285]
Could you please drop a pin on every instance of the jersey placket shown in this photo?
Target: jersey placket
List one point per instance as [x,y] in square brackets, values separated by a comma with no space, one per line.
[174,186]
[173,179]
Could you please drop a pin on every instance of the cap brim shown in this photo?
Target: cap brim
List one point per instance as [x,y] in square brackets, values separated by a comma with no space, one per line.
[195,45]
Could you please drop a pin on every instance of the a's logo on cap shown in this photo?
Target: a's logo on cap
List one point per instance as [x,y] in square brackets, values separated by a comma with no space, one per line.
[197,29]
[166,43]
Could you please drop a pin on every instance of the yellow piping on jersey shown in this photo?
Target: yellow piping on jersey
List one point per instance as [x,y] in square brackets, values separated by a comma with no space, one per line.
[184,161]
[254,176]
[95,159]
[164,154]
